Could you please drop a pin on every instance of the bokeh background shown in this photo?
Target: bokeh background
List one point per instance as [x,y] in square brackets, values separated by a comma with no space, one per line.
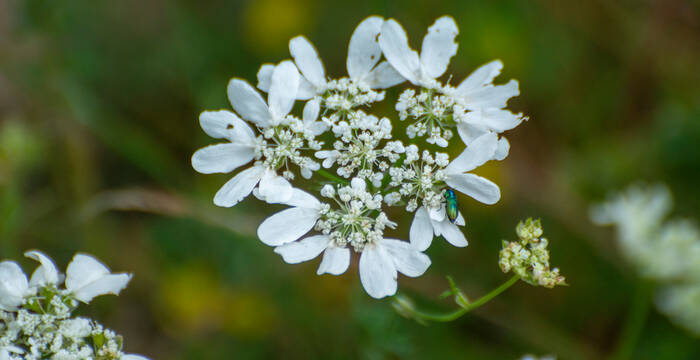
[98,119]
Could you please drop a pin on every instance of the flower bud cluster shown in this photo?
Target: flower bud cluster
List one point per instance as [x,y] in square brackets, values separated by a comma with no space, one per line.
[358,220]
[420,180]
[357,150]
[344,95]
[529,257]
[283,145]
[432,113]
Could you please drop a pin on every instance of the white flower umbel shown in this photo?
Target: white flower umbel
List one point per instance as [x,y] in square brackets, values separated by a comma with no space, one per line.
[423,184]
[348,226]
[667,252]
[352,154]
[39,324]
[475,106]
[282,137]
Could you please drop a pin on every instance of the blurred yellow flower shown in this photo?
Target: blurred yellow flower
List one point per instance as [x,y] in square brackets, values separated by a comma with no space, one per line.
[193,300]
[271,23]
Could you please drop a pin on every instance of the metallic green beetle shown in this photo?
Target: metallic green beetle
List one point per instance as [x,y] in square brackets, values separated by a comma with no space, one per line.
[451,206]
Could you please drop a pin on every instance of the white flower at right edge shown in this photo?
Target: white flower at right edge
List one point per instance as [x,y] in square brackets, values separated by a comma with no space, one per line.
[431,221]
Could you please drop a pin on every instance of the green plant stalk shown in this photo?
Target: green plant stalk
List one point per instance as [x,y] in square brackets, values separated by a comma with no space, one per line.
[465,308]
[634,323]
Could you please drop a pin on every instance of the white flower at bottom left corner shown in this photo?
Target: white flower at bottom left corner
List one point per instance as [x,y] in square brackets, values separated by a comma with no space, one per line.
[87,278]
[14,286]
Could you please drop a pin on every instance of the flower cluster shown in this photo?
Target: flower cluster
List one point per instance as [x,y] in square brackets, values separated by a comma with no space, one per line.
[529,257]
[35,314]
[664,251]
[362,166]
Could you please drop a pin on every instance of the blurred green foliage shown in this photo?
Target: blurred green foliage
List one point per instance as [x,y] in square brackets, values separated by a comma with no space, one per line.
[98,120]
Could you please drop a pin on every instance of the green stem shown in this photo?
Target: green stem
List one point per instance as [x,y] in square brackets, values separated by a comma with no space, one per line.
[634,323]
[465,308]
[332,177]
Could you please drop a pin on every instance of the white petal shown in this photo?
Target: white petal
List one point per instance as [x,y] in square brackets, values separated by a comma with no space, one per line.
[480,189]
[364,51]
[317,128]
[377,272]
[82,270]
[480,77]
[468,132]
[394,43]
[46,273]
[302,199]
[133,357]
[222,158]
[437,214]
[287,225]
[502,150]
[407,259]
[329,157]
[224,124]
[450,232]
[438,47]
[108,284]
[304,249]
[283,89]
[248,103]
[274,188]
[265,77]
[497,120]
[306,58]
[421,232]
[336,261]
[238,187]
[460,219]
[491,96]
[306,89]
[13,285]
[383,76]
[476,154]
[311,110]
